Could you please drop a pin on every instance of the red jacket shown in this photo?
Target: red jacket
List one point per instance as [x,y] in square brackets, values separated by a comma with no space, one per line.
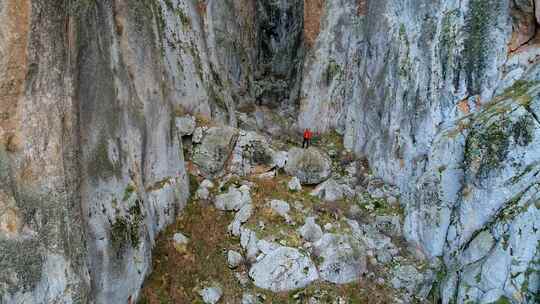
[308,134]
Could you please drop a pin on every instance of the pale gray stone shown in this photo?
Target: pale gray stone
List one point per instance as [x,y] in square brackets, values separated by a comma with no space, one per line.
[344,259]
[180,238]
[211,295]
[233,200]
[332,191]
[214,150]
[248,241]
[240,217]
[234,259]
[310,231]
[280,159]
[283,269]
[185,125]
[294,184]
[282,208]
[311,166]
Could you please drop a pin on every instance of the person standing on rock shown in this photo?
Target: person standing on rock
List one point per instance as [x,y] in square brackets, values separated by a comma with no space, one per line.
[307,138]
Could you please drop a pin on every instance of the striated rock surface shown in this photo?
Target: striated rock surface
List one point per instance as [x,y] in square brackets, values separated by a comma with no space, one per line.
[215,149]
[441,97]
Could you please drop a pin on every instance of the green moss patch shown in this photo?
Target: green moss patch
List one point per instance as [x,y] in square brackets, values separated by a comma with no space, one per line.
[481,17]
[486,148]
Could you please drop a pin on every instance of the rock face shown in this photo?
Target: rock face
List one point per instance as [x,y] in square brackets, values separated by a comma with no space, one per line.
[310,166]
[91,162]
[400,80]
[440,96]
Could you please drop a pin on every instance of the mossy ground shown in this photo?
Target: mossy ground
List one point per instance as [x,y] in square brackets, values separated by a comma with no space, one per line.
[177,277]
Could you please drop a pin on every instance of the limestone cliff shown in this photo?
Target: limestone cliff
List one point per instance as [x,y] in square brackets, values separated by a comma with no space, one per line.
[440,96]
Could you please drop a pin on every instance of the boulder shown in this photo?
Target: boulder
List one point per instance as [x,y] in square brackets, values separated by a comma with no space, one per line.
[343,258]
[207,184]
[294,184]
[241,217]
[311,231]
[214,150]
[211,295]
[332,191]
[280,159]
[267,247]
[407,277]
[311,166]
[202,193]
[248,298]
[233,200]
[251,154]
[284,269]
[248,241]
[234,259]
[388,224]
[185,125]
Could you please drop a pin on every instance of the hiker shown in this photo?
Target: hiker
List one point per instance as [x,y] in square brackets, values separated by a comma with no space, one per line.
[307,138]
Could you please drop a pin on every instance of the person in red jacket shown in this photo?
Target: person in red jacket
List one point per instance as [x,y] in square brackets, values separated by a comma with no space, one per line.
[307,138]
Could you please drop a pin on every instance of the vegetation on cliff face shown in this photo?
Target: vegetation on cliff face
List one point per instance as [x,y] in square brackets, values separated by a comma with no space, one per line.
[479,19]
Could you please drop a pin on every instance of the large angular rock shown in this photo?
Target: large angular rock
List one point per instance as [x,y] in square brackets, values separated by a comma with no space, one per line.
[234,258]
[249,242]
[284,269]
[411,280]
[211,295]
[311,166]
[343,258]
[280,159]
[214,150]
[332,191]
[233,200]
[251,153]
[185,125]
[240,217]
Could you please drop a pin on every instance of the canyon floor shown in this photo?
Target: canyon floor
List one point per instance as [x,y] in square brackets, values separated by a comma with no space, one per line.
[256,233]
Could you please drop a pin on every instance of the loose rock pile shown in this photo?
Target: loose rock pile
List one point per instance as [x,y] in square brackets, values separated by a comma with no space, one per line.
[298,223]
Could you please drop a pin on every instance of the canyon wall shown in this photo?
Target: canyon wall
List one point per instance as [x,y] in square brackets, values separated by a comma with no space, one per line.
[91,159]
[441,97]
